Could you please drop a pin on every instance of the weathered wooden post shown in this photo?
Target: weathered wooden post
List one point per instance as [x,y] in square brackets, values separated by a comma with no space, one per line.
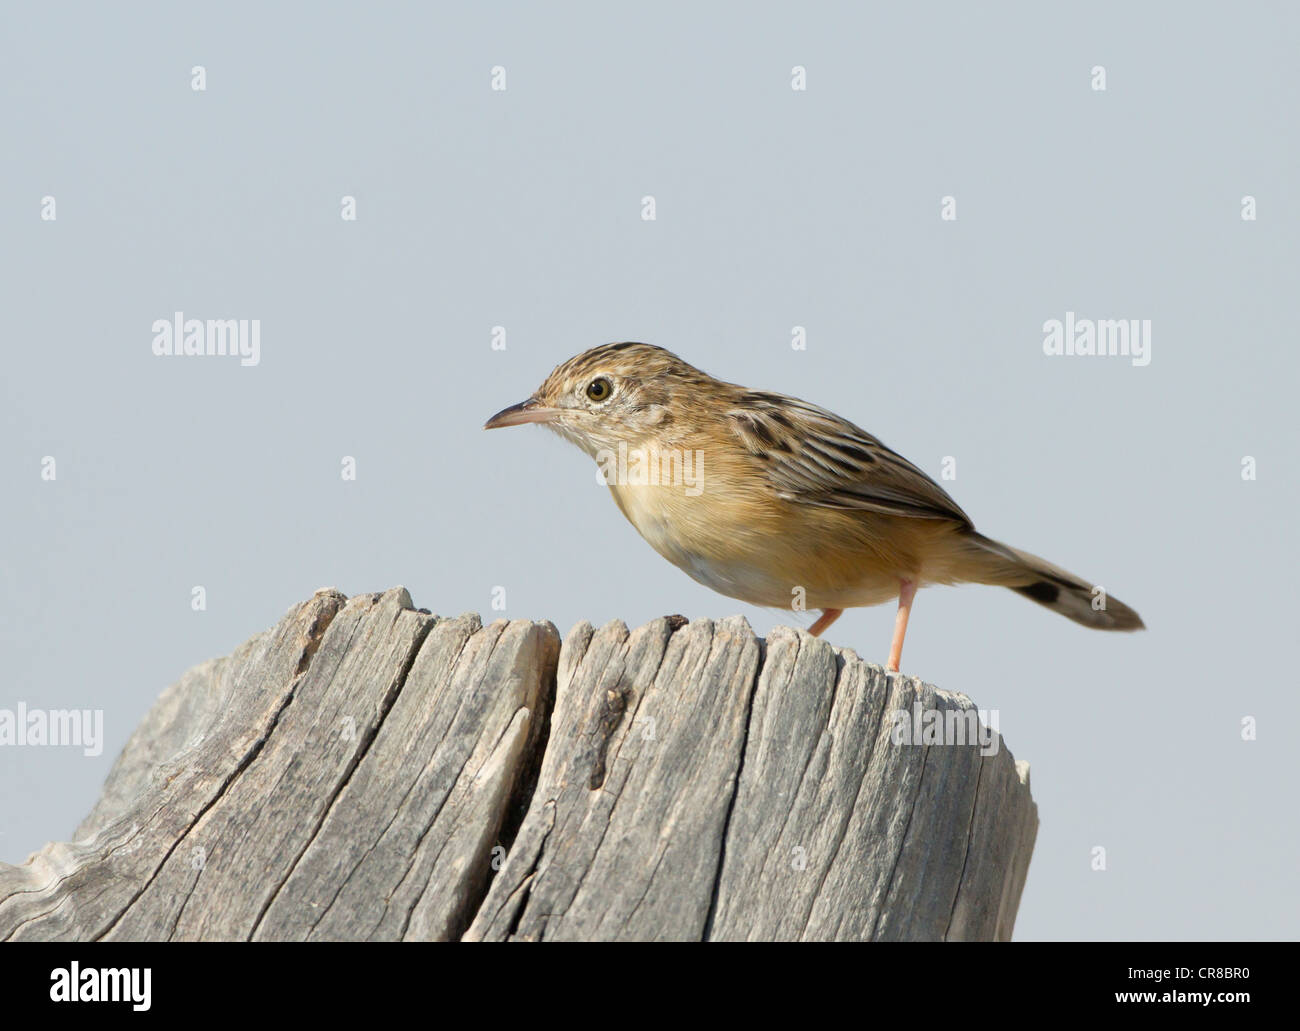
[364,770]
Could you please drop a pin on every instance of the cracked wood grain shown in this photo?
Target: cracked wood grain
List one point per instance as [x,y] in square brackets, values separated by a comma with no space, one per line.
[173,769]
[636,857]
[364,770]
[407,846]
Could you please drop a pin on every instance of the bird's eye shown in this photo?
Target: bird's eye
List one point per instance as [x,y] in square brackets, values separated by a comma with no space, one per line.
[599,389]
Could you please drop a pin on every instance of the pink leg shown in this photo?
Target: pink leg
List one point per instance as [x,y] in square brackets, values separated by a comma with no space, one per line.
[827,617]
[906,592]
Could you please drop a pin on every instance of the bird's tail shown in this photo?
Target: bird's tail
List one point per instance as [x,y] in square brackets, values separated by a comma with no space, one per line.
[991,562]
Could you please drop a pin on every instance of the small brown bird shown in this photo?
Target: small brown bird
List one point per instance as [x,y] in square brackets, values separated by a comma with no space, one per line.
[775,501]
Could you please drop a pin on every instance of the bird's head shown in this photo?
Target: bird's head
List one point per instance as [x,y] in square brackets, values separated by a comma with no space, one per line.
[612,394]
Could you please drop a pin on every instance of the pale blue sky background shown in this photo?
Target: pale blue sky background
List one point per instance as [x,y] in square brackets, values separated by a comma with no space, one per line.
[775,209]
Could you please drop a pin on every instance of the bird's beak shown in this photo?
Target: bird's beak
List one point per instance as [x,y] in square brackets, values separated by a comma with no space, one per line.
[531,410]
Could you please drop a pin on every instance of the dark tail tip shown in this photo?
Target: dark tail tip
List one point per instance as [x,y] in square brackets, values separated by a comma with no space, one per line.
[1041,592]
[1079,605]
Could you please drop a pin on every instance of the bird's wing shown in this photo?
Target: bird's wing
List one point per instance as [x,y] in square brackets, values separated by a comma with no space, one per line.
[814,457]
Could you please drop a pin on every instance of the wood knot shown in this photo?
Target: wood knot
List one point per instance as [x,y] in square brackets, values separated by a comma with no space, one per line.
[611,715]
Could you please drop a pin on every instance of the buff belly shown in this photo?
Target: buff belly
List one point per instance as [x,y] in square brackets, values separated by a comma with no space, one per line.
[773,561]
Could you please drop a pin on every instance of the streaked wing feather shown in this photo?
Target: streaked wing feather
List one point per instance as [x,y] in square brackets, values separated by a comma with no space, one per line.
[816,458]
